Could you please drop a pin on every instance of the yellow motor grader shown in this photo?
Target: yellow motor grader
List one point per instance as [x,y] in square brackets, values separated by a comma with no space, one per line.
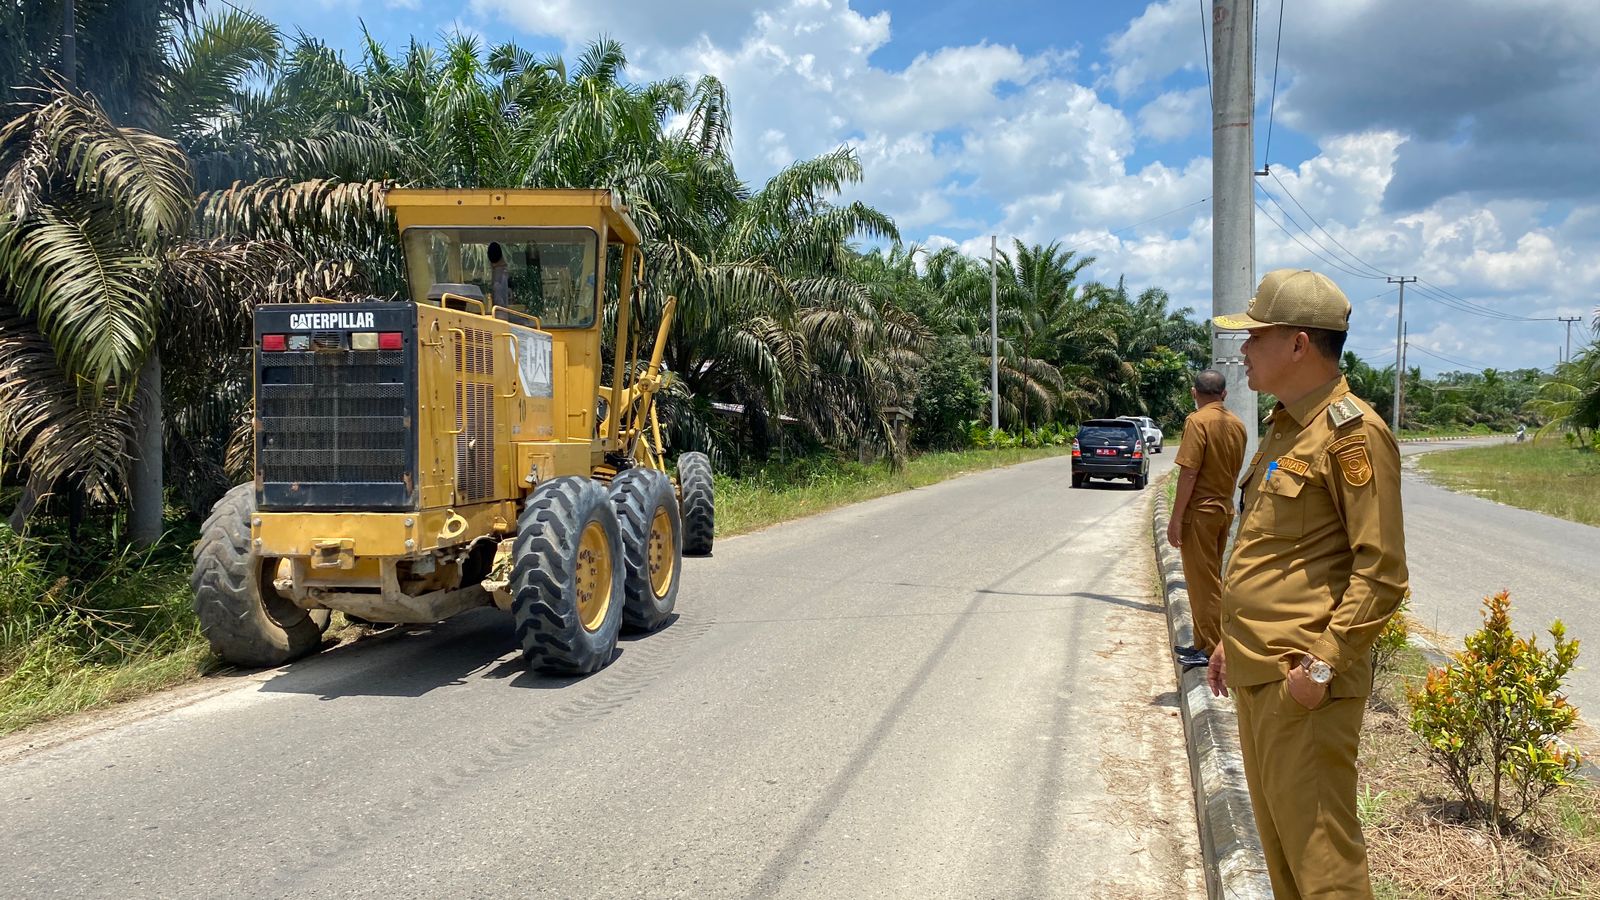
[419,458]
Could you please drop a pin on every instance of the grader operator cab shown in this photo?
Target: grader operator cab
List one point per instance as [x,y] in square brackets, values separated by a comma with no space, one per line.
[417,459]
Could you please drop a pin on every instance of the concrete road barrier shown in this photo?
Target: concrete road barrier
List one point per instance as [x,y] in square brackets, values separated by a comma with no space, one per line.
[1231,849]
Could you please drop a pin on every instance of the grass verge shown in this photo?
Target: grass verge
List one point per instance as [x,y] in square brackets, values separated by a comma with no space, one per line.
[779,493]
[87,624]
[1417,845]
[1544,476]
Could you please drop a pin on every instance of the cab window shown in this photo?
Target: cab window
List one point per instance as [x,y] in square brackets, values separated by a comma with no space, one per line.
[544,272]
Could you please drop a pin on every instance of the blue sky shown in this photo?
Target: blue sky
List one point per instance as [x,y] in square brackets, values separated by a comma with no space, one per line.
[1449,139]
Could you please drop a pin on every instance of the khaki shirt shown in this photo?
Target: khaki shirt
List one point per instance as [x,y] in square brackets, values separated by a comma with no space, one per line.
[1213,445]
[1319,563]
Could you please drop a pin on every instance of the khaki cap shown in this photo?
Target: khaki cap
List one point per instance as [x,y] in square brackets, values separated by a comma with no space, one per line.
[1293,297]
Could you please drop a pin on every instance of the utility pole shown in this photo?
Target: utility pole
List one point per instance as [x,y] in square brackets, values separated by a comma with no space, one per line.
[1400,398]
[1399,342]
[1233,215]
[1569,322]
[69,44]
[994,337]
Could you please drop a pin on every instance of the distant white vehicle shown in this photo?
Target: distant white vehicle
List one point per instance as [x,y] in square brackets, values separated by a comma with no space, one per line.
[1152,434]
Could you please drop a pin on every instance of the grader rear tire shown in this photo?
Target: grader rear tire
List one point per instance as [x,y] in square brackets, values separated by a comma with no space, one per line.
[567,577]
[243,616]
[699,506]
[652,546]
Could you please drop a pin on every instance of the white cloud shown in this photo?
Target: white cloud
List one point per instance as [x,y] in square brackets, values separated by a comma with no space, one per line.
[641,26]
[1174,115]
[979,138]
[1159,41]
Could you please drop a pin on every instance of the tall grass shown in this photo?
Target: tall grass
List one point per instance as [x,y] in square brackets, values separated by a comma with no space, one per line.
[84,624]
[1545,476]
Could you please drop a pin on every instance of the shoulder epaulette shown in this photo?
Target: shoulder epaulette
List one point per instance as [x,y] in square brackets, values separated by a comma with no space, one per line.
[1343,411]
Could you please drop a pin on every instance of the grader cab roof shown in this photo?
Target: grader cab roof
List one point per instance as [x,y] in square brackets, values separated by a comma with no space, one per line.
[570,208]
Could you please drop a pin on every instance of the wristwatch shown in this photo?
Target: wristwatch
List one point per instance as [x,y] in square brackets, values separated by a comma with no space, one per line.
[1317,670]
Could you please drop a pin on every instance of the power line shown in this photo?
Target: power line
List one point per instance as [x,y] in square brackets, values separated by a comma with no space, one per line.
[1255,49]
[1272,108]
[1205,54]
[1427,289]
[1334,263]
[1485,310]
[1313,220]
[1451,301]
[1331,253]
[1332,257]
[1469,364]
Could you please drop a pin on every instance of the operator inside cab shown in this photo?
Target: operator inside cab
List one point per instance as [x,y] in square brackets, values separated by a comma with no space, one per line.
[550,273]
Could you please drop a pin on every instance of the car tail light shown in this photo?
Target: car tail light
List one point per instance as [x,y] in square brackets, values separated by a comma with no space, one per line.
[388,340]
[1138,451]
[1076,451]
[272,342]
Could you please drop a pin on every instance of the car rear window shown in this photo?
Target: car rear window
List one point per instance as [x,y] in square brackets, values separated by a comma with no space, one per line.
[1106,433]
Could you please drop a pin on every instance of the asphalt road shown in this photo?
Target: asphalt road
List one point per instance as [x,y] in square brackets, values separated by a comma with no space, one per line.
[960,691]
[1462,548]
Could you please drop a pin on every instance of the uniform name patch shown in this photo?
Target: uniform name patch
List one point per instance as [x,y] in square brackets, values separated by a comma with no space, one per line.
[328,321]
[1298,467]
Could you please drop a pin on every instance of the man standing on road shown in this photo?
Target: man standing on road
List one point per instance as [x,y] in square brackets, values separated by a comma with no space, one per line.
[1318,567]
[1209,459]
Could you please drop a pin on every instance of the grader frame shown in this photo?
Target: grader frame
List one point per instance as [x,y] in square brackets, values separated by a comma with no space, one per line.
[457,448]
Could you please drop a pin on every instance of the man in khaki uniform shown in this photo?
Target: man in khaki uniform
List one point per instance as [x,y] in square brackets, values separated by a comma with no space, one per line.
[1318,567]
[1209,459]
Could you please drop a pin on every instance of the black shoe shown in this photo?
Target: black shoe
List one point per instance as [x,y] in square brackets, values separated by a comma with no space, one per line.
[1184,651]
[1195,660]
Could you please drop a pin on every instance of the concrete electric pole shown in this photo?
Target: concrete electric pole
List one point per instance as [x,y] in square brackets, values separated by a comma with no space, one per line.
[69,44]
[1400,398]
[994,338]
[1399,345]
[1233,217]
[1568,357]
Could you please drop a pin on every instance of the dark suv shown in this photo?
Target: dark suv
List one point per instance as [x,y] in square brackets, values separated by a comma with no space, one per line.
[1110,448]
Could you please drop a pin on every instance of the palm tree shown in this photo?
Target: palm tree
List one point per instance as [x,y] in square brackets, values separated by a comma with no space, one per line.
[99,277]
[1570,399]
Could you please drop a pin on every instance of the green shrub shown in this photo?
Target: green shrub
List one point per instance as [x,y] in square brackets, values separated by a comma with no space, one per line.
[1053,434]
[950,391]
[1492,719]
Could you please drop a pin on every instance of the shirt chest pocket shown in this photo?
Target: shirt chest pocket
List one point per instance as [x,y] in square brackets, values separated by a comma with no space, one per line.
[1280,508]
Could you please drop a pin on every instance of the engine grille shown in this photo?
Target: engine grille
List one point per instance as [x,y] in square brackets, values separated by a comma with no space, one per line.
[475,416]
[336,417]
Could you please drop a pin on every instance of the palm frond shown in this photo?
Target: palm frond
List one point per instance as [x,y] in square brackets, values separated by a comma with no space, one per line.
[144,179]
[93,297]
[49,427]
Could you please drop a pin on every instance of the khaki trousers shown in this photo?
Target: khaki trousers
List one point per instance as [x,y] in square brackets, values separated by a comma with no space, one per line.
[1301,768]
[1205,538]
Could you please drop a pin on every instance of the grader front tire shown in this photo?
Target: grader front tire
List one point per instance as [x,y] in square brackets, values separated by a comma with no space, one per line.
[567,577]
[699,506]
[242,615]
[652,546]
